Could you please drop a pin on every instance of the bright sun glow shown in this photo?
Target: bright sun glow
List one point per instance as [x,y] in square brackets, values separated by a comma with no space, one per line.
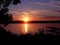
[26,19]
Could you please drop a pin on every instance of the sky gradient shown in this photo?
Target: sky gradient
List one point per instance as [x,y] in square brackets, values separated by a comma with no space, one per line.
[36,9]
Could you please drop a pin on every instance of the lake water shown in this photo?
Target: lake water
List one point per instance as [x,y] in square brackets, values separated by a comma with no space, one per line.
[29,28]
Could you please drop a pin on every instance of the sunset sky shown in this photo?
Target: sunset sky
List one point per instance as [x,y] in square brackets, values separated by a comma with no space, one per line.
[36,9]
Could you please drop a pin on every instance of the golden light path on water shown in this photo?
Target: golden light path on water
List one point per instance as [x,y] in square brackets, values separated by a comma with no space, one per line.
[26,19]
[26,28]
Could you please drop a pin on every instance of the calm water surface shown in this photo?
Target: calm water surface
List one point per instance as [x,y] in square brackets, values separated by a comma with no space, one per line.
[28,28]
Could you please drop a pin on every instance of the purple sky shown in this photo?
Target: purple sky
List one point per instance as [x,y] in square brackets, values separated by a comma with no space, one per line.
[36,8]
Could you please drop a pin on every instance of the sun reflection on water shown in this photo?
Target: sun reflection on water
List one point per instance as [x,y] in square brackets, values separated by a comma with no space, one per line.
[26,28]
[26,19]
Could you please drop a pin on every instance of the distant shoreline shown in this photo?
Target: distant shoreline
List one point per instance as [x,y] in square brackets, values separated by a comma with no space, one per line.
[36,22]
[14,22]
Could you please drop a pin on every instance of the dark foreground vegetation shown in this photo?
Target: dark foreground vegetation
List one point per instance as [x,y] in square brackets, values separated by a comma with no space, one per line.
[28,38]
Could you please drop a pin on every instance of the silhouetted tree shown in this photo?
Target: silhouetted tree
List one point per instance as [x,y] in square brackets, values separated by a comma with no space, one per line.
[6,3]
[5,17]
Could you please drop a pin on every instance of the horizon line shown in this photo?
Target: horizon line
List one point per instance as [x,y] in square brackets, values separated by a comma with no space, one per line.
[14,22]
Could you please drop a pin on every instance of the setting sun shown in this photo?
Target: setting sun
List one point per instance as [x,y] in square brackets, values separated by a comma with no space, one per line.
[26,19]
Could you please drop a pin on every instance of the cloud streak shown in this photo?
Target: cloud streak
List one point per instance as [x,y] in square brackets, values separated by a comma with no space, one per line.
[48,4]
[37,13]
[55,3]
